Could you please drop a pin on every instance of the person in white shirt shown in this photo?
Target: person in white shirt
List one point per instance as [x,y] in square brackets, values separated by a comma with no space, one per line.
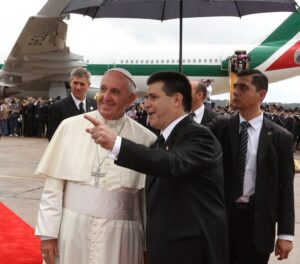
[259,172]
[91,211]
[201,114]
[209,90]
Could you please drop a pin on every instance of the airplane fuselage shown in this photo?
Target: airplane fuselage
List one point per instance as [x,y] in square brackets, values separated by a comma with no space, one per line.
[40,62]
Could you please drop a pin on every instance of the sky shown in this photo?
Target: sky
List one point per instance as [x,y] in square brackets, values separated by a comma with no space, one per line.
[109,38]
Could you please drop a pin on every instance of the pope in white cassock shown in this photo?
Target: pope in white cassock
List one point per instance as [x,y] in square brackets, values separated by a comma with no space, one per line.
[91,211]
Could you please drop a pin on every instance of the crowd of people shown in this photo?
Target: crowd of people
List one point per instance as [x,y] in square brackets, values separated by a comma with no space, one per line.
[24,117]
[28,117]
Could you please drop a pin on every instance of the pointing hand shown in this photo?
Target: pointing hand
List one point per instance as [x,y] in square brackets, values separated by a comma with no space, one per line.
[100,133]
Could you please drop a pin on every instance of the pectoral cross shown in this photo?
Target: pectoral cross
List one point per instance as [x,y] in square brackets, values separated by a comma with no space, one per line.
[98,174]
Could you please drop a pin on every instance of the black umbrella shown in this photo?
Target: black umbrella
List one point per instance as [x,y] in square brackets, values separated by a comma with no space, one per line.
[171,9]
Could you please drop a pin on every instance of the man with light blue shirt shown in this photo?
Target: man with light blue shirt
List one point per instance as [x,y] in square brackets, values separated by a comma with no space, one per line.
[186,220]
[259,173]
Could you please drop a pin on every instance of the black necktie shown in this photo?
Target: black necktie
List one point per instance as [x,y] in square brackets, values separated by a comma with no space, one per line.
[160,141]
[81,109]
[192,115]
[243,143]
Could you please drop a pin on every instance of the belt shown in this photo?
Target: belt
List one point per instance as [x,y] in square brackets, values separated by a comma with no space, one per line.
[88,200]
[241,206]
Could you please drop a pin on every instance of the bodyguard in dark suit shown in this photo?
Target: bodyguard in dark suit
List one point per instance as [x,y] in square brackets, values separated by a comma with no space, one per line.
[186,221]
[259,173]
[201,114]
[75,104]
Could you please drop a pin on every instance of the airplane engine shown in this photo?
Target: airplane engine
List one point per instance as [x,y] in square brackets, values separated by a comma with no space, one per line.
[2,91]
[6,91]
[297,56]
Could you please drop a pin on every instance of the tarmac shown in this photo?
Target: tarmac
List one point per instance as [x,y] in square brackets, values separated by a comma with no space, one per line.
[20,189]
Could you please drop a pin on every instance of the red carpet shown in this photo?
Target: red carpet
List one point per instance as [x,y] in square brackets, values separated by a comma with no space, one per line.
[18,245]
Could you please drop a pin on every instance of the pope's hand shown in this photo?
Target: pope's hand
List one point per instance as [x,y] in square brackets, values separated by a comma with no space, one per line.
[49,250]
[101,134]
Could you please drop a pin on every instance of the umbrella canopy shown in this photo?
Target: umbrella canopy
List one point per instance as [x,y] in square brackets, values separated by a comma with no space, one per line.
[171,9]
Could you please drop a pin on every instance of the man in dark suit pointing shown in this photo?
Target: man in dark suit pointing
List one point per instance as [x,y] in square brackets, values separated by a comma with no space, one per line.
[259,173]
[75,104]
[186,220]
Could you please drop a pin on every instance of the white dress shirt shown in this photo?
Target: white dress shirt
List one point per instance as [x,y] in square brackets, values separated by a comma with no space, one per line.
[167,131]
[199,112]
[208,94]
[252,147]
[77,102]
[250,170]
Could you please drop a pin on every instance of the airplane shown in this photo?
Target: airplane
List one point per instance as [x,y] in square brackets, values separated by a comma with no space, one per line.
[40,62]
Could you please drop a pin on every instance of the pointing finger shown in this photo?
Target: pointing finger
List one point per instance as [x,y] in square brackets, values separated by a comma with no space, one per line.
[93,120]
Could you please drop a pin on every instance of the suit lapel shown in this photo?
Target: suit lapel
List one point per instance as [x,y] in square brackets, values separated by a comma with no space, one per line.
[183,123]
[89,105]
[234,124]
[263,142]
[73,108]
[205,116]
[150,179]
[168,144]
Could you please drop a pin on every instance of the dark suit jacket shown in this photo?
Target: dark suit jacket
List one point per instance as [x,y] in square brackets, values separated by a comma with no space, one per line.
[208,115]
[63,109]
[184,195]
[274,191]
[289,124]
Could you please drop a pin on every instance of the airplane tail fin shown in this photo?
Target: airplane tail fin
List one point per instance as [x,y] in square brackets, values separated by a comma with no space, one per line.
[281,39]
[40,54]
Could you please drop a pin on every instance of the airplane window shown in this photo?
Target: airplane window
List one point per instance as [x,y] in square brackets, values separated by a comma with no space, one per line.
[121,61]
[152,61]
[131,61]
[194,61]
[142,61]
[205,60]
[162,61]
[167,61]
[210,60]
[199,60]
[173,61]
[147,61]
[157,61]
[216,60]
[188,60]
[183,61]
[137,61]
[126,61]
